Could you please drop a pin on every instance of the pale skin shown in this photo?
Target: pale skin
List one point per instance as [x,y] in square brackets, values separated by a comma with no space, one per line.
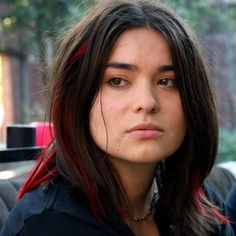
[137,117]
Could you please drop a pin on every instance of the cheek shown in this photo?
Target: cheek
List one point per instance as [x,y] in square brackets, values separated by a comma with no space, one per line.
[105,119]
[174,116]
[178,119]
[97,125]
[101,122]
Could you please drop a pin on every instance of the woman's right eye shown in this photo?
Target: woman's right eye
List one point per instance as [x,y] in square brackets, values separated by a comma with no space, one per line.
[117,82]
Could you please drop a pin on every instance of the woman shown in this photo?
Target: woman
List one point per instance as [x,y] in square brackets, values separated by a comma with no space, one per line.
[135,132]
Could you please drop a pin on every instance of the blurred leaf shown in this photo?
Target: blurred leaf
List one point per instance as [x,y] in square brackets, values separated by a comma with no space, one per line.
[227,145]
[39,21]
[38,16]
[203,16]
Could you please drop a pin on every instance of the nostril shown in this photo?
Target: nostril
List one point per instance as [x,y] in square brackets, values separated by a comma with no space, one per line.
[154,110]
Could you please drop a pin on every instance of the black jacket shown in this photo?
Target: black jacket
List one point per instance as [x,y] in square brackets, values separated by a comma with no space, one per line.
[231,207]
[54,210]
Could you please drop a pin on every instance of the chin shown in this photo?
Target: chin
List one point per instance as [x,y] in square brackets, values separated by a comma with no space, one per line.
[147,159]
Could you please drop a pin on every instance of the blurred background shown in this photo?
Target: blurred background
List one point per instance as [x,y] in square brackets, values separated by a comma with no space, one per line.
[29,28]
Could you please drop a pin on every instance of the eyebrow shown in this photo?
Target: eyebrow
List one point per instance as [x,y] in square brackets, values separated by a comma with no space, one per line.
[120,65]
[132,67]
[166,68]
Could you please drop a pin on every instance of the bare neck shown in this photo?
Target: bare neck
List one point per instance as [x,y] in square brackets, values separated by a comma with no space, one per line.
[136,180]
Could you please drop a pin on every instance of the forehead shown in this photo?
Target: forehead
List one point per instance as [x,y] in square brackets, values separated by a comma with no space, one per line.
[139,44]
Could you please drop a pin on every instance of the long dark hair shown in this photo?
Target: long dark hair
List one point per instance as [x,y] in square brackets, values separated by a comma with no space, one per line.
[77,74]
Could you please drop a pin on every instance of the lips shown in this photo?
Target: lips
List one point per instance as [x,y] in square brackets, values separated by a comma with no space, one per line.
[146,131]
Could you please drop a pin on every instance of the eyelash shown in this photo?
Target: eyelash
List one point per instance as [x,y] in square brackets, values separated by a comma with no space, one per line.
[172,80]
[112,80]
[162,82]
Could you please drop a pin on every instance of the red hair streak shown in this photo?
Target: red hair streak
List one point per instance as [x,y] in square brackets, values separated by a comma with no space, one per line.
[79,52]
[45,169]
[199,192]
[40,173]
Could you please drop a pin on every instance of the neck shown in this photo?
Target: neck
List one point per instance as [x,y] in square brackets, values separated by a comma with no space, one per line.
[137,180]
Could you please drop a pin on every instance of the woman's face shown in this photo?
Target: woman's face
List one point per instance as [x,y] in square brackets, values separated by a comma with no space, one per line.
[137,116]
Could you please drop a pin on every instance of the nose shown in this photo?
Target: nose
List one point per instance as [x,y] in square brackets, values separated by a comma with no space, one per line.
[146,100]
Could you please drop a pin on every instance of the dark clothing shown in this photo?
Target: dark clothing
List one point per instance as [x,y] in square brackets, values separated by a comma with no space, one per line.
[56,210]
[221,180]
[231,207]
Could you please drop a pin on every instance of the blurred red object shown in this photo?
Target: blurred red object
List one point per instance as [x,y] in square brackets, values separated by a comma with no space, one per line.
[44,133]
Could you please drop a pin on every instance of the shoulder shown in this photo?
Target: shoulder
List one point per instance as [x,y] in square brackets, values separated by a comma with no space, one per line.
[231,198]
[223,229]
[231,207]
[213,196]
[53,211]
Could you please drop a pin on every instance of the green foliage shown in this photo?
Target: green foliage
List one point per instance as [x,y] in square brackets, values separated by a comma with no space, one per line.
[43,14]
[203,16]
[227,145]
[39,22]
[40,18]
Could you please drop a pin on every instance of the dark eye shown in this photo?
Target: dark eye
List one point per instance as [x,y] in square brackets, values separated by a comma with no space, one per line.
[117,82]
[168,82]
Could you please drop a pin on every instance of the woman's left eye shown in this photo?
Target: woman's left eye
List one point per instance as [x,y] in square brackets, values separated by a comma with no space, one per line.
[168,82]
[117,82]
